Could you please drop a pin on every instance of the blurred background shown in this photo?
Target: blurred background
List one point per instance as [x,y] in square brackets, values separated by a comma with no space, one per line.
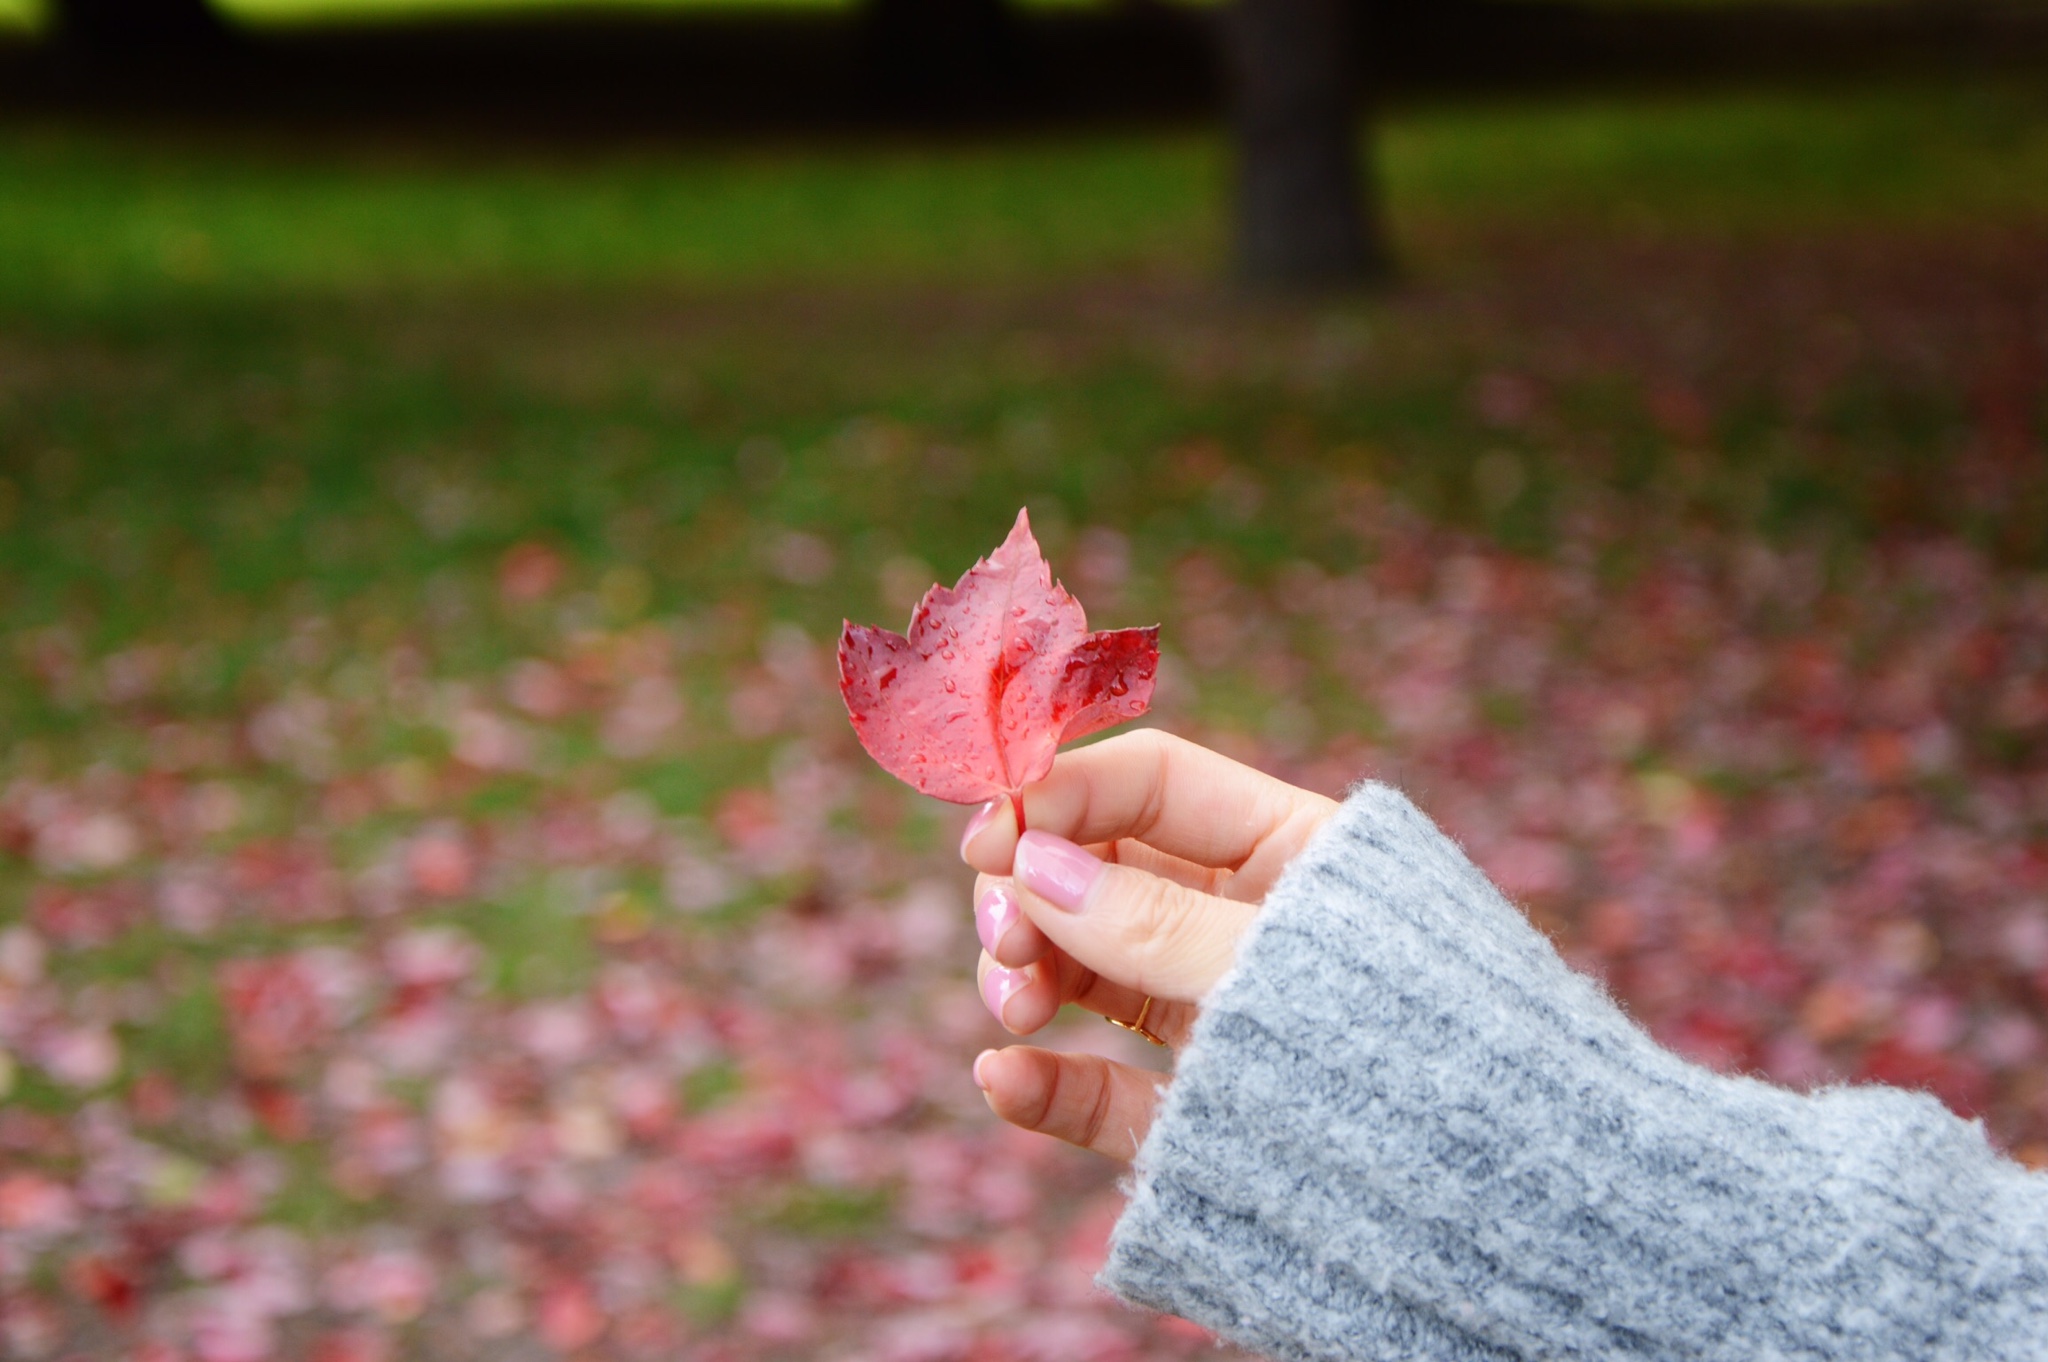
[443,909]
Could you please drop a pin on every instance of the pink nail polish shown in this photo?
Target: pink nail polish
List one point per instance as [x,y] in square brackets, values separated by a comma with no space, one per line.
[995,912]
[983,816]
[1055,869]
[1000,985]
[979,1060]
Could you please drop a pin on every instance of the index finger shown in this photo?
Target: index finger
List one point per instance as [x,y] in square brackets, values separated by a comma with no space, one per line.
[1170,794]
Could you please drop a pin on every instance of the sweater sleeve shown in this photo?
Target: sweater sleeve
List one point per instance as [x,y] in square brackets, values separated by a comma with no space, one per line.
[1404,1128]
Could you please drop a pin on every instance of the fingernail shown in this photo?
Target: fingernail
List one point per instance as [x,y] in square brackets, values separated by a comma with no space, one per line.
[1000,985]
[980,1060]
[983,816]
[1055,869]
[995,912]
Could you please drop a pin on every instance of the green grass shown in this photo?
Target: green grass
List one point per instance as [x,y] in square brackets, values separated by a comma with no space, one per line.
[235,376]
[1903,157]
[98,222]
[94,222]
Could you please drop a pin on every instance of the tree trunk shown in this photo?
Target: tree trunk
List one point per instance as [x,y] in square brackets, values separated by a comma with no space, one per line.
[1306,214]
[138,27]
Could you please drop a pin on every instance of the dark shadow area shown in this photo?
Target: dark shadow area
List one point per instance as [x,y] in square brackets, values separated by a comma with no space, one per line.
[922,64]
[716,73]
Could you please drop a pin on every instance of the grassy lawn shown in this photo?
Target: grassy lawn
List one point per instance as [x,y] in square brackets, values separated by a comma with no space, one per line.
[417,570]
[190,322]
[99,223]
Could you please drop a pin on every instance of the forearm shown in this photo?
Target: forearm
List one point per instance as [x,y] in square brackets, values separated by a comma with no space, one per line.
[1405,1128]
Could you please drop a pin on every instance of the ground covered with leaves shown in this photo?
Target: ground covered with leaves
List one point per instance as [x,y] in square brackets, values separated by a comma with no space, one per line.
[444,911]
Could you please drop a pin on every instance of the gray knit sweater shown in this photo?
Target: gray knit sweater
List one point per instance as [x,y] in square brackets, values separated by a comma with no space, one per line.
[1405,1129]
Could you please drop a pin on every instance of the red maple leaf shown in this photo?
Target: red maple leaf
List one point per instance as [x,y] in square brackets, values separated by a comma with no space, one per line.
[995,674]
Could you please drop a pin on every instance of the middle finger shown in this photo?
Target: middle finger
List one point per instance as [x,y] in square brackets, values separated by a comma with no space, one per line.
[1014,940]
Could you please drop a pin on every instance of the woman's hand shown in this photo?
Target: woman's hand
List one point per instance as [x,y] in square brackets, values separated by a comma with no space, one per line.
[1145,860]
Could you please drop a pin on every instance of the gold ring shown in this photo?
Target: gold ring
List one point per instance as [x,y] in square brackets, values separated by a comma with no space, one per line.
[1137,1025]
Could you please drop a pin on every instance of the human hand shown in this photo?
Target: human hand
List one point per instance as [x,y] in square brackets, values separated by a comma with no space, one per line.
[1145,860]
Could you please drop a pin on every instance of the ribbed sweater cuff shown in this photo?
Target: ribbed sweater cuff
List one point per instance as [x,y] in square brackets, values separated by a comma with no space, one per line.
[1404,1128]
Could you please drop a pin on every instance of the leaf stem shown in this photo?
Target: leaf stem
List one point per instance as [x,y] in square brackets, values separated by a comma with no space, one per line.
[1017,803]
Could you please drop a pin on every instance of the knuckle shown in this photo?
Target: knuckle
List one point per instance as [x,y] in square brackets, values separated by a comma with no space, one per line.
[1044,1109]
[1100,1102]
[1153,918]
[1077,1100]
[1154,808]
[1138,742]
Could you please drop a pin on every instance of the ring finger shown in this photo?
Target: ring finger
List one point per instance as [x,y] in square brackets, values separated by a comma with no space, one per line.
[1025,999]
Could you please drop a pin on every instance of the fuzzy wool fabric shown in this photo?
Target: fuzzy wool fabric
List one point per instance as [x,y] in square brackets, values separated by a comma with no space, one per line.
[1404,1128]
